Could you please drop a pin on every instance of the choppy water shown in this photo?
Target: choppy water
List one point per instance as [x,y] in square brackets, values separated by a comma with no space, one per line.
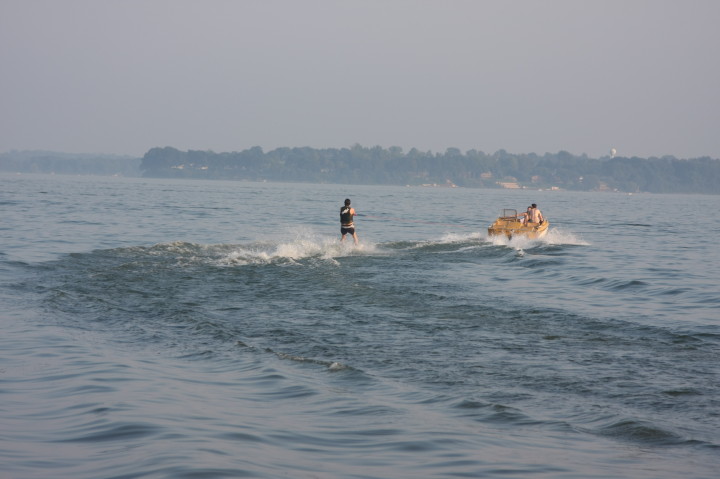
[189,329]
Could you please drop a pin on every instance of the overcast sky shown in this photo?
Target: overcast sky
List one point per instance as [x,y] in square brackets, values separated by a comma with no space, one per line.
[123,76]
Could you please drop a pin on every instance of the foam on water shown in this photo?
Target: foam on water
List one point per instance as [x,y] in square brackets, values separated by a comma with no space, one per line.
[554,236]
[302,247]
[305,246]
[309,245]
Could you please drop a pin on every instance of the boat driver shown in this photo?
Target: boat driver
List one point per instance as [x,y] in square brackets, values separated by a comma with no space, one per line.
[535,215]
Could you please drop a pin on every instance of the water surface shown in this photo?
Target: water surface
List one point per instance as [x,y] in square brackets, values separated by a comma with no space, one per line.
[178,329]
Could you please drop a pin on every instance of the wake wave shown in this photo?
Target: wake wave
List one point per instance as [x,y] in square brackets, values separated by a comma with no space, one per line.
[554,236]
[302,247]
[308,246]
[258,252]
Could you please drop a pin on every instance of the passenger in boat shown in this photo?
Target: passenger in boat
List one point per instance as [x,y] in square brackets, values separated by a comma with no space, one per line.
[534,215]
[525,216]
[347,226]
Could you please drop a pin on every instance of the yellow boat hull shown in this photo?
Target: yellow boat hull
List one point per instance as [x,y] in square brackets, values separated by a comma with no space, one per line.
[510,226]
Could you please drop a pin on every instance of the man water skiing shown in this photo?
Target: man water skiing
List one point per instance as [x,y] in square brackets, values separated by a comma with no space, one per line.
[347,213]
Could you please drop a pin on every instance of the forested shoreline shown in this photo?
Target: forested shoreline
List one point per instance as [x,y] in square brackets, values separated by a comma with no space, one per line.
[475,169]
[392,166]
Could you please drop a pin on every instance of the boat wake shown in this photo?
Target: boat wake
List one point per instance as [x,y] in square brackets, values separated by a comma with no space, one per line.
[302,247]
[309,248]
[554,236]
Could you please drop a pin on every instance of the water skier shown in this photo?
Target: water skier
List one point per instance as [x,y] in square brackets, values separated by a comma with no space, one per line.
[347,213]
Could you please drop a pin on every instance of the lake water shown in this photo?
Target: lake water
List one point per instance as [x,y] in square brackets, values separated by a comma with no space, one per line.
[190,329]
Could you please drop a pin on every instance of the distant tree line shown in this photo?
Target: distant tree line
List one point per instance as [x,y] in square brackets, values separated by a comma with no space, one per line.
[376,165]
[392,166]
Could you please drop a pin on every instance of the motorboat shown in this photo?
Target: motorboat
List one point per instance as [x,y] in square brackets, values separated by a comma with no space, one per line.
[509,225]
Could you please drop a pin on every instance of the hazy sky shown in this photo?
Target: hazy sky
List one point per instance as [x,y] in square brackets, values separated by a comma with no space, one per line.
[123,76]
